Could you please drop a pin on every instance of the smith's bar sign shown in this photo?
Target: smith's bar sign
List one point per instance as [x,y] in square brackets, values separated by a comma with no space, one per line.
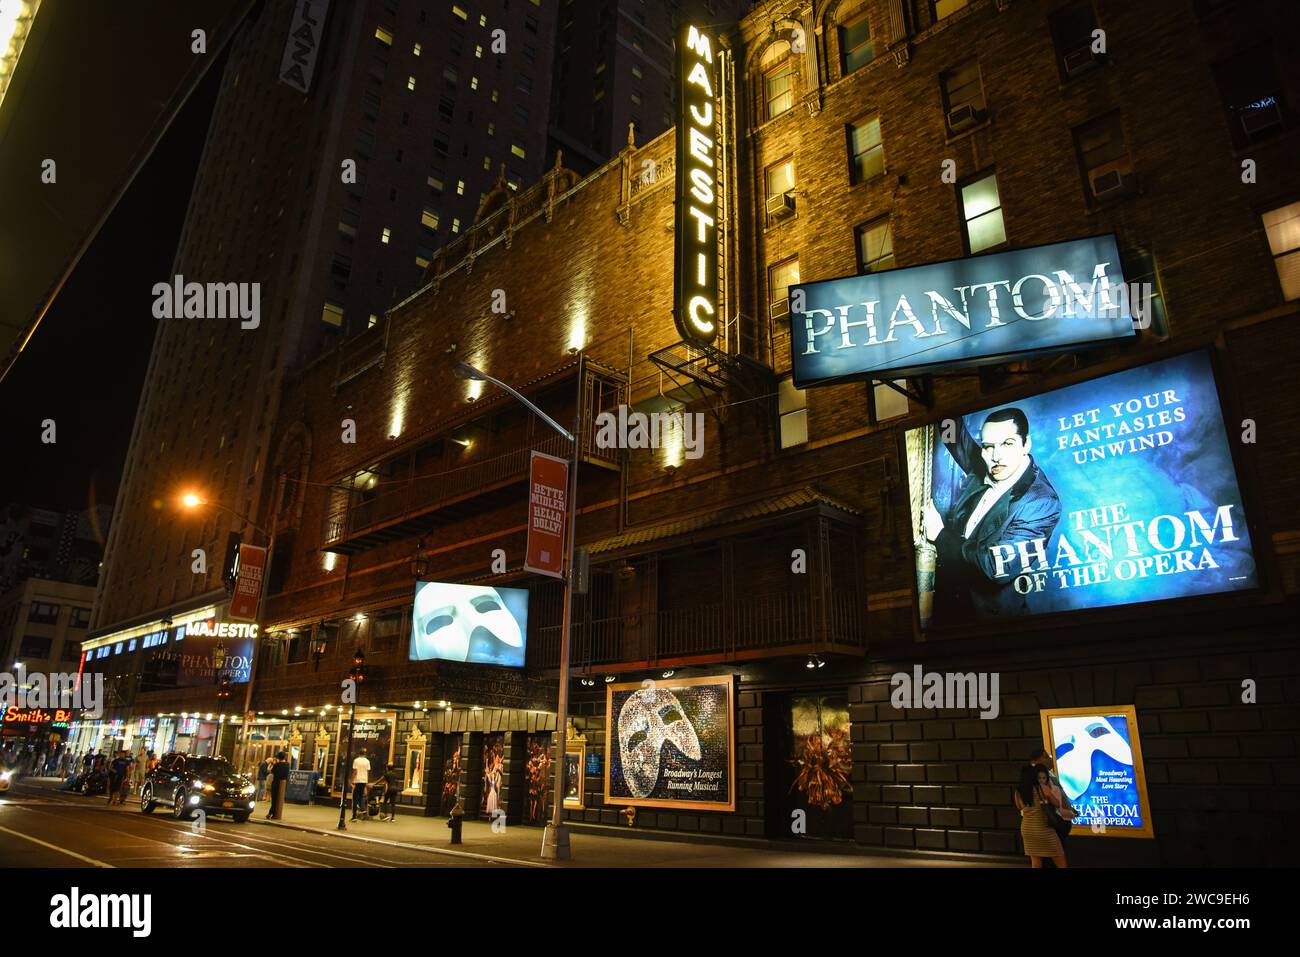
[695,292]
[959,313]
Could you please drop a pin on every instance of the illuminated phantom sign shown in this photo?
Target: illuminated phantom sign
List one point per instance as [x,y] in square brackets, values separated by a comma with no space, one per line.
[959,313]
[695,278]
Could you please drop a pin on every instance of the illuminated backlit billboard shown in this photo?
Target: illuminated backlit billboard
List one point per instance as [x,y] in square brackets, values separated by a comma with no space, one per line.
[1109,492]
[474,623]
[1098,756]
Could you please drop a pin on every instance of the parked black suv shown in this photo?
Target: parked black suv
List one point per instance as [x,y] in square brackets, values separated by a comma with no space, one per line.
[187,784]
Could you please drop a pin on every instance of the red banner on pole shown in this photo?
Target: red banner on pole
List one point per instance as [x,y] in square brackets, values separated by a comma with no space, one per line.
[548,489]
[248,583]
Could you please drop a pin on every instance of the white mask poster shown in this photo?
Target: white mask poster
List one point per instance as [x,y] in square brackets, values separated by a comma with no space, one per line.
[670,743]
[474,623]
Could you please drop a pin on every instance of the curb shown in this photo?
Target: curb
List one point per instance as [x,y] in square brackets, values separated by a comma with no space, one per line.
[494,858]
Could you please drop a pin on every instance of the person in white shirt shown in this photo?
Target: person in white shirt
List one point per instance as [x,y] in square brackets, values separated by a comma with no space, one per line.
[1006,499]
[360,780]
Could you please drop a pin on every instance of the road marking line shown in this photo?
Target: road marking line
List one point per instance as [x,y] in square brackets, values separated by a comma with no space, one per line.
[54,847]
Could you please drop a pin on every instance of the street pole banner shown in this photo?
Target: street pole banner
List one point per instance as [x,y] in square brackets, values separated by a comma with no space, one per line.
[248,583]
[548,483]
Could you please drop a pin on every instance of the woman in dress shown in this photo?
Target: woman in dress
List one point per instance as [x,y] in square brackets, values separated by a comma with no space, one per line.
[1033,797]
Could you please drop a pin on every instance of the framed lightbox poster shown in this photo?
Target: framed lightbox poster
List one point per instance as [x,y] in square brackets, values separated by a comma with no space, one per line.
[1098,756]
[670,743]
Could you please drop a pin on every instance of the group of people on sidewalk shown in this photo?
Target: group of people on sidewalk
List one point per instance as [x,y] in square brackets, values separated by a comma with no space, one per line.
[1045,812]
[361,786]
[272,781]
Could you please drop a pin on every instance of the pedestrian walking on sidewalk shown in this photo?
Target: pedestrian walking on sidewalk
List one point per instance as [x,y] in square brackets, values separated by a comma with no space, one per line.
[360,781]
[263,771]
[279,776]
[1033,798]
[392,786]
[118,778]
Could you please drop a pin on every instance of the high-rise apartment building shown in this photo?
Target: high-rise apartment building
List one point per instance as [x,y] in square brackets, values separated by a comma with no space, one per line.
[428,104]
[614,68]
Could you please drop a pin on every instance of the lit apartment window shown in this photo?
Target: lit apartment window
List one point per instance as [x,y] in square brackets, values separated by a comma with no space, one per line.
[887,402]
[779,200]
[410,83]
[459,11]
[384,36]
[636,97]
[1252,95]
[429,218]
[332,315]
[778,88]
[478,51]
[473,83]
[963,97]
[1283,228]
[455,225]
[385,235]
[866,151]
[600,68]
[946,8]
[517,148]
[460,187]
[981,210]
[876,246]
[855,45]
[487,162]
[416,49]
[495,94]
[636,72]
[793,409]
[779,280]
[482,19]
[435,181]
[1103,158]
[372,321]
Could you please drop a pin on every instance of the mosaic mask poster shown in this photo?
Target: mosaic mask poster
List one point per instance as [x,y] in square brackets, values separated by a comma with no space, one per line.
[537,775]
[821,757]
[1098,759]
[1117,490]
[494,773]
[670,744]
[469,623]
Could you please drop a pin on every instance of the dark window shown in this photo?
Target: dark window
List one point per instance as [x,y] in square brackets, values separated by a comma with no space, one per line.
[1143,278]
[1072,37]
[42,613]
[33,647]
[364,143]
[855,45]
[1252,95]
[80,618]
[378,67]
[963,96]
[1103,158]
[370,104]
[341,268]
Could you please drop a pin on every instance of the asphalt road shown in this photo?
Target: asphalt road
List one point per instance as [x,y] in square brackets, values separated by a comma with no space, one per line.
[43,827]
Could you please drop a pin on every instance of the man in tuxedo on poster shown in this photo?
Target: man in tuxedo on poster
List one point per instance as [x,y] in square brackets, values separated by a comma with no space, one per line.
[1005,499]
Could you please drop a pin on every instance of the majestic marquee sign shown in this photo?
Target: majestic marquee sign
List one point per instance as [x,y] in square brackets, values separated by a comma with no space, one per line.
[306,30]
[1109,492]
[695,277]
[959,313]
[211,628]
[670,744]
[1098,756]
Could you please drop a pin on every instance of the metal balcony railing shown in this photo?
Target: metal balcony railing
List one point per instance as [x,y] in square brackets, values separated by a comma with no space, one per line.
[770,621]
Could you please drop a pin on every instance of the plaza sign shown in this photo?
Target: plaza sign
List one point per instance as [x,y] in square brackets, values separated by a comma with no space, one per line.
[962,312]
[695,276]
[298,64]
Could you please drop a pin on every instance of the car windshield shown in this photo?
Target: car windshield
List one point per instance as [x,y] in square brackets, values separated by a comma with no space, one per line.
[208,766]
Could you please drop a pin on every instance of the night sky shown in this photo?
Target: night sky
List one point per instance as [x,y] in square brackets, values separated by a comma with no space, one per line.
[85,365]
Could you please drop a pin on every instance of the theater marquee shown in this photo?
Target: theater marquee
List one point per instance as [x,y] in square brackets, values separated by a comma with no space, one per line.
[695,278]
[959,313]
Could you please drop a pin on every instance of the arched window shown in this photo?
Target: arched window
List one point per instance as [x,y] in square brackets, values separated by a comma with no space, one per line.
[777,69]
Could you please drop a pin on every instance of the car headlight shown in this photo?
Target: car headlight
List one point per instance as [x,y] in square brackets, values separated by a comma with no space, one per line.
[5,775]
[249,789]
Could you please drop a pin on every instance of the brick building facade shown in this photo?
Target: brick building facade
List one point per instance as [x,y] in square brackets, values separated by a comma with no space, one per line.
[838,132]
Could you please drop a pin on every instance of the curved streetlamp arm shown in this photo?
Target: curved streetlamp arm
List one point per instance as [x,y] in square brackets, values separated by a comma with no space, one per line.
[549,421]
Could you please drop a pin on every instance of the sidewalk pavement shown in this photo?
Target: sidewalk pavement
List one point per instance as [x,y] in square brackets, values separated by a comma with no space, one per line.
[520,844]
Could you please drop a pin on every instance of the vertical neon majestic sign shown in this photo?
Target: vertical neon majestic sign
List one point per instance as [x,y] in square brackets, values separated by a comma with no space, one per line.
[695,278]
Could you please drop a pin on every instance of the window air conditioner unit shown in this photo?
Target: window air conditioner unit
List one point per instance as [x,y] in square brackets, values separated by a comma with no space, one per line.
[781,308]
[1079,61]
[963,117]
[1112,179]
[781,205]
[1261,120]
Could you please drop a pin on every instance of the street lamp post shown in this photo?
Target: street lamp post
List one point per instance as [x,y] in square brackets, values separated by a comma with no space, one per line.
[191,500]
[358,675]
[555,839]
